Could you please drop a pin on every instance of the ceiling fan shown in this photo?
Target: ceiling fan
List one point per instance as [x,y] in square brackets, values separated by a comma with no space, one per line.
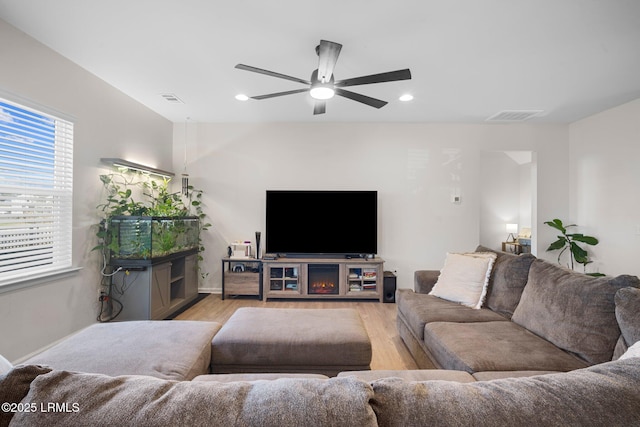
[323,86]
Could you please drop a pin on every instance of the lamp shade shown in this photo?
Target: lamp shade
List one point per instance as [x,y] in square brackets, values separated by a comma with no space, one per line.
[512,228]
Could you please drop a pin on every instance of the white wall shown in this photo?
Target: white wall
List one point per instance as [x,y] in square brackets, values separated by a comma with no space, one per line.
[605,201]
[506,194]
[500,197]
[414,167]
[107,124]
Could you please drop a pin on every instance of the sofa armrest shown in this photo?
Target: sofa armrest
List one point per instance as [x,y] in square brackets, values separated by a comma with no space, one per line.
[423,280]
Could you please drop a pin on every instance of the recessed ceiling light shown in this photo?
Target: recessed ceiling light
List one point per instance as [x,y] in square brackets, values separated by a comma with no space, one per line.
[242,97]
[406,97]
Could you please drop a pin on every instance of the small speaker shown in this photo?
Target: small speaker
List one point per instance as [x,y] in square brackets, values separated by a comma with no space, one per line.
[389,287]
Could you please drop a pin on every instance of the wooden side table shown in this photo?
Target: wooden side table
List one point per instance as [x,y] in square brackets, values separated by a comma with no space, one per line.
[515,248]
[242,276]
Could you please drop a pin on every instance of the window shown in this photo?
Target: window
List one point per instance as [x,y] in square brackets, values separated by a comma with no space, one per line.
[36,189]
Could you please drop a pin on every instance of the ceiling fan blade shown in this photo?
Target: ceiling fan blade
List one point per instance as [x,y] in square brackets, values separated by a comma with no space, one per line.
[391,76]
[328,53]
[273,95]
[320,107]
[373,102]
[271,73]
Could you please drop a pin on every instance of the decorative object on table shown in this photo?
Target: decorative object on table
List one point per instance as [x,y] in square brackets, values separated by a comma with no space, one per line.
[257,245]
[512,229]
[577,254]
[241,249]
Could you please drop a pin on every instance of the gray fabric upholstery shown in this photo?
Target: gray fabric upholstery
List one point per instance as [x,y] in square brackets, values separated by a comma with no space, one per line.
[507,281]
[494,346]
[178,350]
[145,401]
[229,378]
[602,395]
[628,314]
[420,309]
[574,311]
[14,386]
[416,346]
[424,280]
[324,341]
[498,375]
[411,375]
[606,394]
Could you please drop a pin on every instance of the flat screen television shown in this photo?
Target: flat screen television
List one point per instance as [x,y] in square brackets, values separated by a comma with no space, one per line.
[336,223]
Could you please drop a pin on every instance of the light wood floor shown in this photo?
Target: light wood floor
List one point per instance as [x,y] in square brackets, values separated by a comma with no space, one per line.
[389,352]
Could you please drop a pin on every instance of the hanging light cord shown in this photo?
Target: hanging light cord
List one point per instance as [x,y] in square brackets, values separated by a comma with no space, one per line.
[185,175]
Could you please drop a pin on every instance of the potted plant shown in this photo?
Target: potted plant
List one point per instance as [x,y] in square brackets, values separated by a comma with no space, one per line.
[569,241]
[157,221]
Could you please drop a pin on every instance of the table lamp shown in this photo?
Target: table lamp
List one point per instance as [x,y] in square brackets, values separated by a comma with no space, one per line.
[512,229]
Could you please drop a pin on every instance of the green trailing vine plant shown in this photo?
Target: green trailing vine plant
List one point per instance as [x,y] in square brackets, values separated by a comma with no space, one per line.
[155,200]
[569,242]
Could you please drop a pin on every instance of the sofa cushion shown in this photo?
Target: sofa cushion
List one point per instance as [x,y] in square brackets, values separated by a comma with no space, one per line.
[419,309]
[507,281]
[177,349]
[633,351]
[628,314]
[5,365]
[607,394]
[411,374]
[14,386]
[494,346]
[464,278]
[572,310]
[230,378]
[424,280]
[141,400]
[498,375]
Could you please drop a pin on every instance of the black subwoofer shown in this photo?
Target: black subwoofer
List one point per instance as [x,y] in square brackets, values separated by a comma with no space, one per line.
[389,287]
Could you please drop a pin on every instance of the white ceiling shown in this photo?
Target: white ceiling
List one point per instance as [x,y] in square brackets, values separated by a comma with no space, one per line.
[470,59]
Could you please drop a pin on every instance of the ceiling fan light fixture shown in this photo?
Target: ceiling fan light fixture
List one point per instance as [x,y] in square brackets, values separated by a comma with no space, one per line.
[406,97]
[242,97]
[321,91]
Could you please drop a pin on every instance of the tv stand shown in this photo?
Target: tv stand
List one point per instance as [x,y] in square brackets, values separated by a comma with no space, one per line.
[296,278]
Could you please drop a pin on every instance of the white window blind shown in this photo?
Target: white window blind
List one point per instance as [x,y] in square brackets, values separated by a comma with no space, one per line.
[36,189]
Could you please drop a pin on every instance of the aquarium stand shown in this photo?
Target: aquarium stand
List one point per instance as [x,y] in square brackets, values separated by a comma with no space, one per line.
[155,289]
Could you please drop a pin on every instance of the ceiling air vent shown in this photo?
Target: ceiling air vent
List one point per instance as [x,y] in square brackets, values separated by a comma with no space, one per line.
[170,97]
[513,115]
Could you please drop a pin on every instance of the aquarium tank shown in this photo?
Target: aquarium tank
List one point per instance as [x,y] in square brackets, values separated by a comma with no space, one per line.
[142,238]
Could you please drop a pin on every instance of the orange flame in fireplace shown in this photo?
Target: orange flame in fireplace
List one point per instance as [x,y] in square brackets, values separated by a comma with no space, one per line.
[323,287]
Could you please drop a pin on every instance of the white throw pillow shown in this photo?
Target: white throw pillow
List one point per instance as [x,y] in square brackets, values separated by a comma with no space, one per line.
[5,365]
[633,351]
[464,278]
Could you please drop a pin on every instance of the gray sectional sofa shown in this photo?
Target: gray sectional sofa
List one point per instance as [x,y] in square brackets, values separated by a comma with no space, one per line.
[502,363]
[605,394]
[537,318]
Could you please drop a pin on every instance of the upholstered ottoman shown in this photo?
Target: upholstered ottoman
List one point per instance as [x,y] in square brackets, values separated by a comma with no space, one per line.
[172,350]
[320,341]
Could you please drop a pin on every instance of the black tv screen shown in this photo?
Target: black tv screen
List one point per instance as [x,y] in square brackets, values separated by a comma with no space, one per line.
[322,222]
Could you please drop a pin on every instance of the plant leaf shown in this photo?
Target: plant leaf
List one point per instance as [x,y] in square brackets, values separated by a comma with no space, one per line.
[557,224]
[589,240]
[558,244]
[579,254]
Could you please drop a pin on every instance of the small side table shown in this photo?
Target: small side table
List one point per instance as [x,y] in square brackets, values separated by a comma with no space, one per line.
[242,276]
[515,248]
